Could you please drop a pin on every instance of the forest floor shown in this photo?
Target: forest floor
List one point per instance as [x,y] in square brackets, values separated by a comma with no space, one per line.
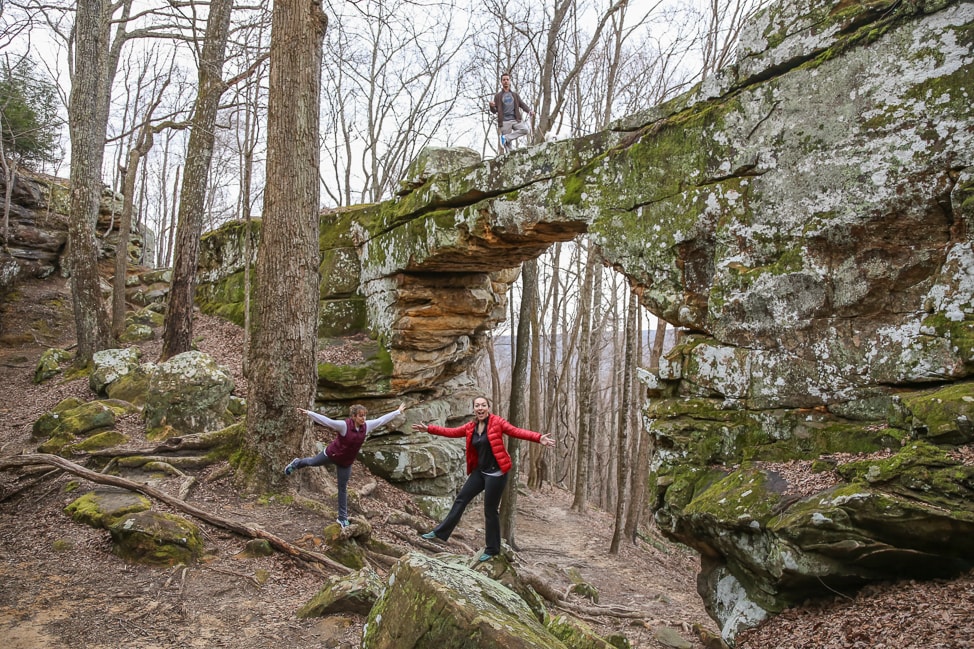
[63,587]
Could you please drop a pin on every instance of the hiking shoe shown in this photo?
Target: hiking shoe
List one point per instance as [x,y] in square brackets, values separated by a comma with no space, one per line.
[342,522]
[431,536]
[289,469]
[486,557]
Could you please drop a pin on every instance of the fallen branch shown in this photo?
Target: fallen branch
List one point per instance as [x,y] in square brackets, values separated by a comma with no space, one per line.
[250,531]
[195,442]
[554,597]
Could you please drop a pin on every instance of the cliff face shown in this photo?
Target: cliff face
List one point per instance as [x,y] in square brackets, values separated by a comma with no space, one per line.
[805,216]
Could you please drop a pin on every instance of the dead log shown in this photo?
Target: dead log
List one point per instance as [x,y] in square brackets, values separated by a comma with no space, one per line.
[243,529]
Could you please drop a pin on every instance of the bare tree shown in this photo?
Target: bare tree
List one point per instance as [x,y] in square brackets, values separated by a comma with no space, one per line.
[720,29]
[178,331]
[87,124]
[395,83]
[585,372]
[284,342]
[520,386]
[623,448]
[130,173]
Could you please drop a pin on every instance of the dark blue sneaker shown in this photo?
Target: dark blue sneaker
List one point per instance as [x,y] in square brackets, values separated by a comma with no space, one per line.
[289,469]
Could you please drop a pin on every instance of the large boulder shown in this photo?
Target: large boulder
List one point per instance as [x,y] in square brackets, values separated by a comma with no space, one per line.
[109,365]
[189,393]
[104,507]
[431,604]
[355,593]
[156,539]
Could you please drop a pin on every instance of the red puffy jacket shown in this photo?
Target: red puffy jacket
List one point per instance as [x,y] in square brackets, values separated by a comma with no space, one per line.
[496,429]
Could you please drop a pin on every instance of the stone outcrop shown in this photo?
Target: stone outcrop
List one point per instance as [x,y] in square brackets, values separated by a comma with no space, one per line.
[804,217]
[432,603]
[38,229]
[188,393]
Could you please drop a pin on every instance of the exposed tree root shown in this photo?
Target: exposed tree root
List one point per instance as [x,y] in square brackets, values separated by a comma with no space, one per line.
[250,531]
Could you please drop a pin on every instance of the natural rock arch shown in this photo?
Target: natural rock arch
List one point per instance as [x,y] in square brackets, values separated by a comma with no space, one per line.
[805,215]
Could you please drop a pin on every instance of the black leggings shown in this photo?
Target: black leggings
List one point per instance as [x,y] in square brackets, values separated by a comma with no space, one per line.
[493,488]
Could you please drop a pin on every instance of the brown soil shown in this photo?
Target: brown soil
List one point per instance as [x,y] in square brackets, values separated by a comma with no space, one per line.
[63,587]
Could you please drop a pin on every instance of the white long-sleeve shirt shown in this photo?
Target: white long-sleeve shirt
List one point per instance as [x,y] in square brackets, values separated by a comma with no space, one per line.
[340,426]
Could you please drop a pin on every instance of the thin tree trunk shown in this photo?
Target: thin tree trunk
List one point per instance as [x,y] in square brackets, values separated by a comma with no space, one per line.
[284,340]
[495,379]
[87,130]
[177,335]
[580,500]
[519,395]
[625,423]
[537,455]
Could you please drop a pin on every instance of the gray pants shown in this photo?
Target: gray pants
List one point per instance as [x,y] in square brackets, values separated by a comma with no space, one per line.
[344,473]
[513,130]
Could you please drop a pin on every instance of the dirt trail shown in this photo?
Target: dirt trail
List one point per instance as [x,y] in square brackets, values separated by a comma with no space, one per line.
[62,586]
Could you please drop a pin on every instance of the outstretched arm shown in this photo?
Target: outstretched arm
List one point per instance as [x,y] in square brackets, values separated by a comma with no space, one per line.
[337,424]
[372,424]
[439,430]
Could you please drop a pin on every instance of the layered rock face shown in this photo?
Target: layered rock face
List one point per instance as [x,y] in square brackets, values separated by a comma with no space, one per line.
[805,218]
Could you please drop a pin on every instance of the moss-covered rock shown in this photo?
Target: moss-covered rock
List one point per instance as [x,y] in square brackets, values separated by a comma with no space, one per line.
[51,364]
[575,634]
[943,416]
[156,539]
[188,393]
[429,604]
[104,507]
[355,593]
[111,364]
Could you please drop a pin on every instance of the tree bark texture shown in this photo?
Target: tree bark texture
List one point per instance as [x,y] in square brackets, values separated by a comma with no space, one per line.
[623,448]
[177,335]
[519,395]
[283,372]
[87,132]
[580,499]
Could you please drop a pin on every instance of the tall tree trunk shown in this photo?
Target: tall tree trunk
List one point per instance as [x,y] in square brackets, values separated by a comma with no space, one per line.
[644,447]
[495,379]
[658,340]
[597,439]
[537,456]
[284,340]
[519,395]
[87,130]
[177,334]
[625,423]
[585,367]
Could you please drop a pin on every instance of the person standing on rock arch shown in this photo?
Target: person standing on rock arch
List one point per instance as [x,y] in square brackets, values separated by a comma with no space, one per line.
[343,450]
[487,465]
[508,106]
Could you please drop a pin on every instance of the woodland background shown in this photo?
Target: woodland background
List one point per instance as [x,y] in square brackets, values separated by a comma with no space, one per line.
[198,113]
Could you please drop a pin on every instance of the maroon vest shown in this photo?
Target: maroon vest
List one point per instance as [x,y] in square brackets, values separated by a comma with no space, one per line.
[344,448]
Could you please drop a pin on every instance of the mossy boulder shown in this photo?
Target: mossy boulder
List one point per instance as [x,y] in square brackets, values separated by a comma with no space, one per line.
[104,507]
[51,364]
[943,416]
[575,634]
[189,393]
[111,364]
[430,604]
[84,420]
[97,442]
[132,387]
[355,593]
[134,333]
[156,539]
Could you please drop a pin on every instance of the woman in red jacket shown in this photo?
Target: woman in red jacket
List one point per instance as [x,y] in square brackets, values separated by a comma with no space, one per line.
[487,465]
